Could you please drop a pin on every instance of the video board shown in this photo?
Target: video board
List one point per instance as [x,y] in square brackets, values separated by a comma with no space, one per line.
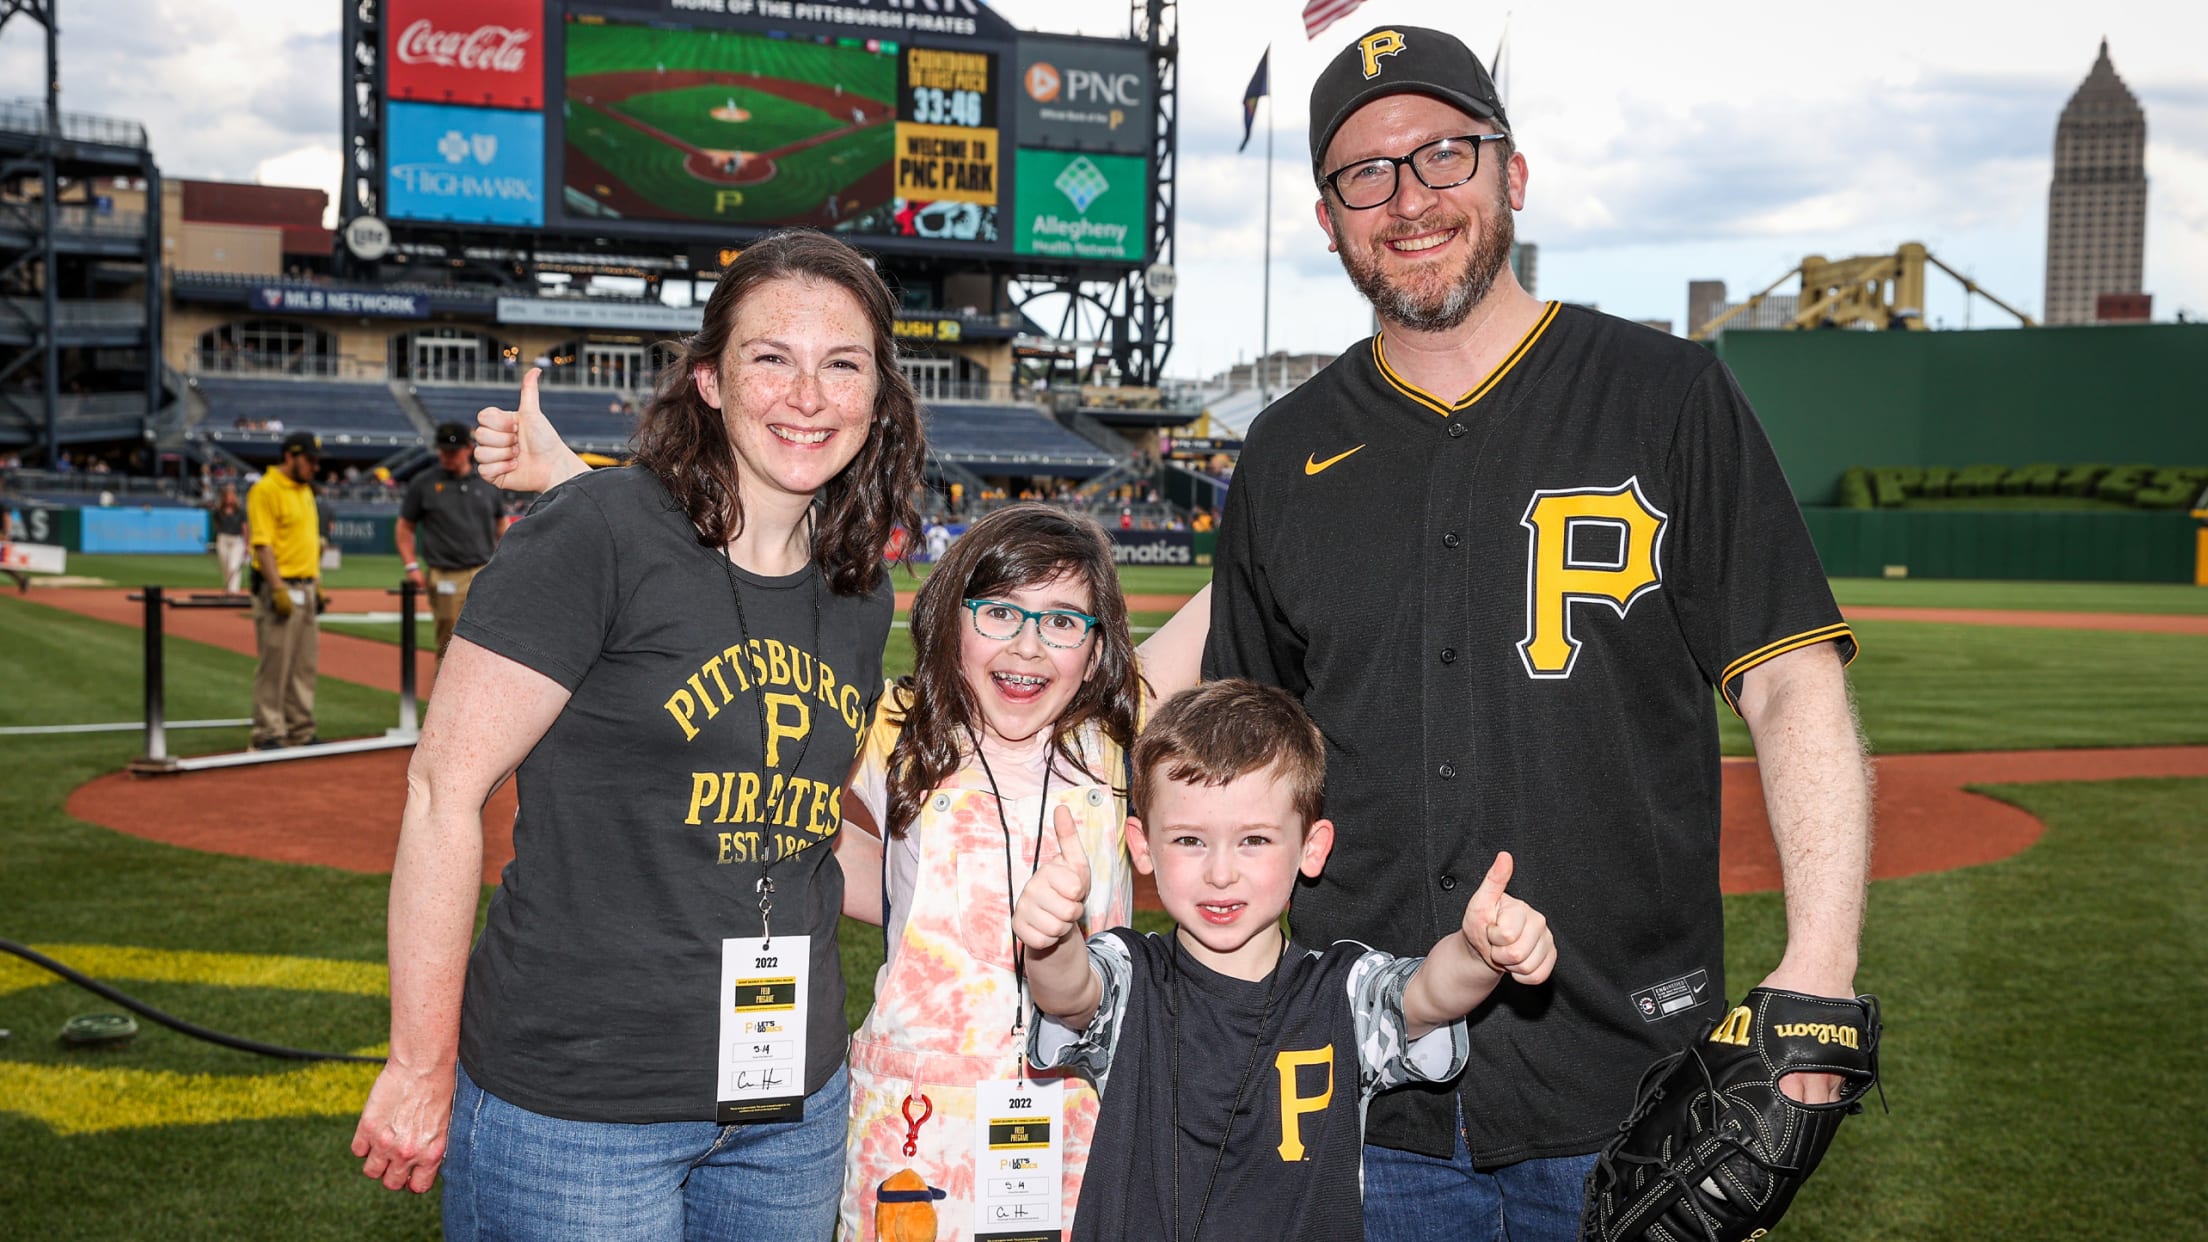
[731,127]
[933,127]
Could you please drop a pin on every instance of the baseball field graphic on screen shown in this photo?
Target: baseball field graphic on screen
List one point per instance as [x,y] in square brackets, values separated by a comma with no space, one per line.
[727,126]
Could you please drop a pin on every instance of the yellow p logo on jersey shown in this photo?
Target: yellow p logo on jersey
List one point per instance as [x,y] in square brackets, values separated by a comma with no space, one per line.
[1293,1104]
[1560,574]
[1376,45]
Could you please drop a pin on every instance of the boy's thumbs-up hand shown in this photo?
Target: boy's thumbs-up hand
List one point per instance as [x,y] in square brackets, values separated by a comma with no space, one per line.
[1054,900]
[1510,936]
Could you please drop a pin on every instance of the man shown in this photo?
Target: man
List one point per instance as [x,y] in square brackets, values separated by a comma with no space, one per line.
[457,517]
[1503,551]
[287,558]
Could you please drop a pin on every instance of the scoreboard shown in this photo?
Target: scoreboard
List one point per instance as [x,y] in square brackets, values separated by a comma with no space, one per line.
[934,127]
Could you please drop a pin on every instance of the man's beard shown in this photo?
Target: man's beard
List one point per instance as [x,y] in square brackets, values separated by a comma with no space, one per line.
[1435,310]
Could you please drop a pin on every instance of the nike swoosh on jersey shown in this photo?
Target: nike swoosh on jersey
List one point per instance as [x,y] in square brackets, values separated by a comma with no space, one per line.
[1312,464]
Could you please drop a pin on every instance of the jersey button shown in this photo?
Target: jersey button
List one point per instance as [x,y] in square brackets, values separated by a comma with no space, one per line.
[1447,771]
[1448,655]
[1448,884]
[1451,540]
[1456,430]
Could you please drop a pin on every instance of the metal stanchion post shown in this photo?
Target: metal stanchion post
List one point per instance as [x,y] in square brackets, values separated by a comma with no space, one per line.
[409,717]
[157,722]
[157,758]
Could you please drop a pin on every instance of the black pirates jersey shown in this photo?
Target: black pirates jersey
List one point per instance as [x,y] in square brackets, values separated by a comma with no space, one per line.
[1506,613]
[1293,1060]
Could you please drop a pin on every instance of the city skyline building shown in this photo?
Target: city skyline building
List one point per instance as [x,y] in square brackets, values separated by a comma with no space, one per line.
[2097,201]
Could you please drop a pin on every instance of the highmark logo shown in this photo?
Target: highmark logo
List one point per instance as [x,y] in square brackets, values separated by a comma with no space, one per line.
[1082,182]
[456,146]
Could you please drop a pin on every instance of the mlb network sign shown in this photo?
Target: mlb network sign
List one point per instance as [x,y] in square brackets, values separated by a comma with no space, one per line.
[1086,96]
[466,52]
[465,165]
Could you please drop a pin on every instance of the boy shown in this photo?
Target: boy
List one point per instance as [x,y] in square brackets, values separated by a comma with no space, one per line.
[1245,1061]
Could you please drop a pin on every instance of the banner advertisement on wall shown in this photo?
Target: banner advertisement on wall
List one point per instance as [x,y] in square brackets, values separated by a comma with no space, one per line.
[1076,206]
[469,165]
[1152,547]
[325,300]
[488,52]
[1084,95]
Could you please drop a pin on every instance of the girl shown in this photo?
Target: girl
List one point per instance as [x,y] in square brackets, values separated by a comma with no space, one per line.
[1024,698]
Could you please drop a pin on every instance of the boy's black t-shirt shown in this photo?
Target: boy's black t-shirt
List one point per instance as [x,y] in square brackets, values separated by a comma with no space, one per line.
[650,806]
[1293,1157]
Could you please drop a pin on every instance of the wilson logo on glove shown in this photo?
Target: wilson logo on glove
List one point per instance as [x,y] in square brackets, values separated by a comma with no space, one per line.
[1713,1148]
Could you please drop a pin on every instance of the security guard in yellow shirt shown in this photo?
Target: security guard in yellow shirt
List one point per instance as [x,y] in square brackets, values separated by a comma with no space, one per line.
[287,593]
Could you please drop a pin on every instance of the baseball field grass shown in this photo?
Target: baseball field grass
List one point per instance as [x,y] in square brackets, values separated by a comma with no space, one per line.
[2043,1056]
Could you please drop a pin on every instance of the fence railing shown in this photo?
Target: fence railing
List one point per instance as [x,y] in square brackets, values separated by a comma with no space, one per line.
[25,116]
[271,364]
[80,314]
[997,391]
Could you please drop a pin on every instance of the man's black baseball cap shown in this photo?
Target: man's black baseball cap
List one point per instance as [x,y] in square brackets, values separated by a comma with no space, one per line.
[453,435]
[1396,60]
[303,442]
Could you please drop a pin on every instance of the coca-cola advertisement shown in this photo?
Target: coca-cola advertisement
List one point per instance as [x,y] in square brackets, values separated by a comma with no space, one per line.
[476,52]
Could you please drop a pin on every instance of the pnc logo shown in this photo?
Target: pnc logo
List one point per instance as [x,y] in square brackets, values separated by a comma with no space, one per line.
[1043,81]
[1376,45]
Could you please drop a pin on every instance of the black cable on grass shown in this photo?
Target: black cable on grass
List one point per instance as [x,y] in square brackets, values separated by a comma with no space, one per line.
[143,1010]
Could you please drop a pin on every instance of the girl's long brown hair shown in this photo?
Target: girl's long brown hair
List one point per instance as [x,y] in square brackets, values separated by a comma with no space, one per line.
[1017,546]
[684,441]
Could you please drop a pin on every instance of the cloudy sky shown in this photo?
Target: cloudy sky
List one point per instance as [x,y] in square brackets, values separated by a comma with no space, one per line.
[1663,147]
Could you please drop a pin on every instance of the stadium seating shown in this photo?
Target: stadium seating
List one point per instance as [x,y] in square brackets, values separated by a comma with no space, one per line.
[1015,439]
[579,413]
[354,419]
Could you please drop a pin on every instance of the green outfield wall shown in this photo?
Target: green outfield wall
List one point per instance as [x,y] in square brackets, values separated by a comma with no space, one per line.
[2135,394]
[2048,547]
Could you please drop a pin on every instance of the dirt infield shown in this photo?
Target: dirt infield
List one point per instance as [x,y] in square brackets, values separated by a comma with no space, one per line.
[344,811]
[2123,622]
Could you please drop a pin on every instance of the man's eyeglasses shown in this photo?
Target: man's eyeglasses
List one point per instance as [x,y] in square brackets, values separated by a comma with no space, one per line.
[1058,627]
[1439,165]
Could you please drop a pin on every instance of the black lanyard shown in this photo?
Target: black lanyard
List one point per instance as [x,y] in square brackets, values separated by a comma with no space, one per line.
[1257,1043]
[764,887]
[1012,894]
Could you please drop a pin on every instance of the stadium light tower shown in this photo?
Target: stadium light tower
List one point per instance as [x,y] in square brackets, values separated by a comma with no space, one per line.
[47,347]
[1128,318]
[1157,23]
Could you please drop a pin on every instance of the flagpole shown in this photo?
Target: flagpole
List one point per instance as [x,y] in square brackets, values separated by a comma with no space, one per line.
[1265,332]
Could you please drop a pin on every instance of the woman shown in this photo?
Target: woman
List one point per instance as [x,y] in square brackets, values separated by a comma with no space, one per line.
[679,658]
[228,517]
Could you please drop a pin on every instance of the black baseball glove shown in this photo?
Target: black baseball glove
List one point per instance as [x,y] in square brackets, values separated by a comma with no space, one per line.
[1713,1151]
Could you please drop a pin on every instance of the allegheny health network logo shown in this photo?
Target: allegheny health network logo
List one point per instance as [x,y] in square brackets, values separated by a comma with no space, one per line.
[1082,182]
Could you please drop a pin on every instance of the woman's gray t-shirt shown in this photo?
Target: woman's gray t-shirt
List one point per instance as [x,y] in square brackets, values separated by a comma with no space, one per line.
[650,808]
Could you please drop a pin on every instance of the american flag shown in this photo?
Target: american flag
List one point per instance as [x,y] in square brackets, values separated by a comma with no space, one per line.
[1319,14]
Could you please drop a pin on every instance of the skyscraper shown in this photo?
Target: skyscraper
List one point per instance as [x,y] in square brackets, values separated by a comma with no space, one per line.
[2097,201]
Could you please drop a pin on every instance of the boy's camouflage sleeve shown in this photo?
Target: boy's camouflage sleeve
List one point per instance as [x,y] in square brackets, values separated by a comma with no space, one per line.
[1053,1045]
[1384,1050]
